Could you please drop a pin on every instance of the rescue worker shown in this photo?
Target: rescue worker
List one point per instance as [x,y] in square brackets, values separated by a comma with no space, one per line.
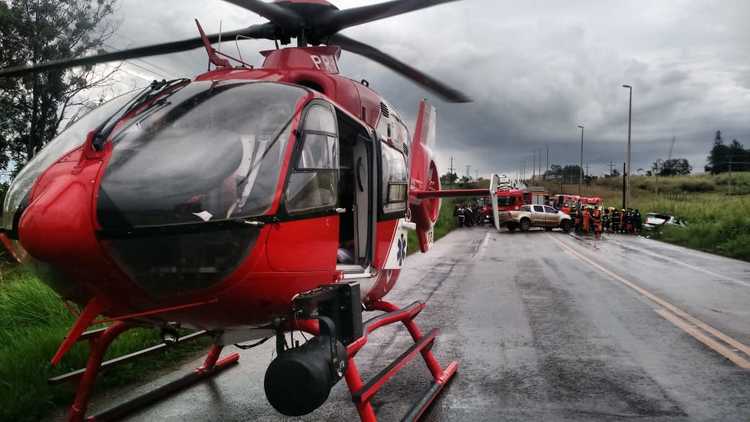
[615,223]
[605,220]
[578,218]
[596,217]
[629,221]
[586,220]
[622,220]
[637,221]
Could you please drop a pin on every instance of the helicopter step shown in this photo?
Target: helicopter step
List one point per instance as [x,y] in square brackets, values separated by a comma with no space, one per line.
[362,393]
[365,393]
[441,376]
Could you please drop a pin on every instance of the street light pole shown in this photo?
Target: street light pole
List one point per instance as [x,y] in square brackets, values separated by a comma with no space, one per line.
[627,168]
[580,166]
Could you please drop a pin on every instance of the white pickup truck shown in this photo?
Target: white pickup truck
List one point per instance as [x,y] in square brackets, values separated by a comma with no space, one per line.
[535,216]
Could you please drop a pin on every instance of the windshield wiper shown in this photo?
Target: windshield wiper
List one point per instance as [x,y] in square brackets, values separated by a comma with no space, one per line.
[149,93]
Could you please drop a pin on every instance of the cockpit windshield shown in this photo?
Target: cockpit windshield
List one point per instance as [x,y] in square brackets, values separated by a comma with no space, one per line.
[205,151]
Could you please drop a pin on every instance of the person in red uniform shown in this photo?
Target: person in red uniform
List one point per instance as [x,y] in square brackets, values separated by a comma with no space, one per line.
[596,216]
[586,220]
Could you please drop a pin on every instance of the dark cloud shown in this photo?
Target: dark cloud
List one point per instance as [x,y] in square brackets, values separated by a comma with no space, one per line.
[535,70]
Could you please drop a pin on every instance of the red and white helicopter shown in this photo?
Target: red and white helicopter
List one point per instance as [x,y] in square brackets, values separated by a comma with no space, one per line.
[245,203]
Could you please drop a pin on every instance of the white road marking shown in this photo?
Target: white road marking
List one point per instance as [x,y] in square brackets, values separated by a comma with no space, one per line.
[681,319]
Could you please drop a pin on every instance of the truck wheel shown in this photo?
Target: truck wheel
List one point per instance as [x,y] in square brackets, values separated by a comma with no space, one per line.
[525,224]
[565,226]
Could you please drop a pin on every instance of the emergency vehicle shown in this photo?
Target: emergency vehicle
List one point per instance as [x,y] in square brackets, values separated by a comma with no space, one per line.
[509,199]
[567,203]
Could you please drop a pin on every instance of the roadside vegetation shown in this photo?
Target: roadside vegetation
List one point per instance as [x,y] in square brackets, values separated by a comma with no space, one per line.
[33,321]
[715,207]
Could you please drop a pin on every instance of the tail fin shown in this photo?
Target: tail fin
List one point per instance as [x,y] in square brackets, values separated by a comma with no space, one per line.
[424,176]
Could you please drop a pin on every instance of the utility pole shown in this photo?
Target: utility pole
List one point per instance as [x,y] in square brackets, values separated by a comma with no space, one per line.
[623,186]
[451,168]
[627,169]
[540,163]
[533,165]
[730,173]
[611,167]
[547,157]
[580,166]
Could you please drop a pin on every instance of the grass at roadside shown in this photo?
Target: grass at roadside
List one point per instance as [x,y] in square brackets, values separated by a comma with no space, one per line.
[33,321]
[716,208]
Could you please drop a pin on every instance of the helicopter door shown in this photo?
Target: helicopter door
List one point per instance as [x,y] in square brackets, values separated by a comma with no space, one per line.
[363,199]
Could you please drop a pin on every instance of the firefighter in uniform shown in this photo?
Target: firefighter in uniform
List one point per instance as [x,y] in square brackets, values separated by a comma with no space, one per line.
[637,221]
[586,220]
[578,217]
[596,217]
[605,220]
[615,220]
[629,221]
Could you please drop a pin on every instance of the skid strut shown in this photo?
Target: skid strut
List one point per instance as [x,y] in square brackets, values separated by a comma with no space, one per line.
[362,392]
[99,341]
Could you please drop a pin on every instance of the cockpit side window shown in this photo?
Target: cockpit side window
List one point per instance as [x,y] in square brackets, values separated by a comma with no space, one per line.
[394,179]
[312,183]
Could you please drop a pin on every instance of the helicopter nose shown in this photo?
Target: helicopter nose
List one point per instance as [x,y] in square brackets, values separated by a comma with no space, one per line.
[57,224]
[57,230]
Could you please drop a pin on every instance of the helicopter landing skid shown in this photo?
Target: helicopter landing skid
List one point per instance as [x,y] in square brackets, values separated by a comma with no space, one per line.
[99,342]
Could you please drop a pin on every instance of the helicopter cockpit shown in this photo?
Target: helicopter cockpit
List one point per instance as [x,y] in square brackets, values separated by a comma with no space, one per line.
[207,151]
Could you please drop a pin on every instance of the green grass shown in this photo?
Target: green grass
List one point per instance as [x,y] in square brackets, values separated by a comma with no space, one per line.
[33,321]
[716,208]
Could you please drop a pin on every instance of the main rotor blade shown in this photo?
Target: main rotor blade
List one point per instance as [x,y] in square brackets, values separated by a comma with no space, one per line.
[281,16]
[334,21]
[255,31]
[429,83]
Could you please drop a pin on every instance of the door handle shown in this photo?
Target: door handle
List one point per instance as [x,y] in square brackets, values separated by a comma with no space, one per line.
[340,210]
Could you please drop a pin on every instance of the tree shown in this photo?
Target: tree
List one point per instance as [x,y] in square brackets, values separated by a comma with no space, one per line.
[571,173]
[673,167]
[34,107]
[448,178]
[723,158]
[554,172]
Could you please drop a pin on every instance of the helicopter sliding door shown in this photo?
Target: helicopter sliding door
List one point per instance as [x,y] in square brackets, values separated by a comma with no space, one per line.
[356,197]
[363,200]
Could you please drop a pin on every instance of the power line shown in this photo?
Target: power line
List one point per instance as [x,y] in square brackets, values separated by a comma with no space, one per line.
[132,62]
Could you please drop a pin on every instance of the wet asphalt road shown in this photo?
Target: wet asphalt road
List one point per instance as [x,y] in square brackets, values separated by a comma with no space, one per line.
[546,327]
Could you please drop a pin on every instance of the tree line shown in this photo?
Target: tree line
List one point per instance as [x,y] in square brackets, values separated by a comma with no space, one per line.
[36,107]
[725,158]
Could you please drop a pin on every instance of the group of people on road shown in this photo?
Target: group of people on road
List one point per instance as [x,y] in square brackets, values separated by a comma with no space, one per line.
[596,220]
[469,214]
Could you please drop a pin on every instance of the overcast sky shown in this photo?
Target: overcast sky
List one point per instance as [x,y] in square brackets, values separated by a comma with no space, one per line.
[535,70]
